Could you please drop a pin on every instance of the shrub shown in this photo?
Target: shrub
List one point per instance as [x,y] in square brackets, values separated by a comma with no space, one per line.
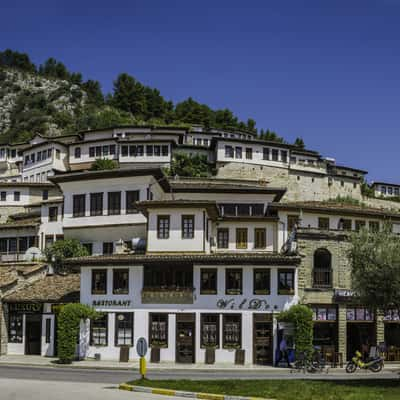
[69,318]
[63,249]
[102,164]
[301,317]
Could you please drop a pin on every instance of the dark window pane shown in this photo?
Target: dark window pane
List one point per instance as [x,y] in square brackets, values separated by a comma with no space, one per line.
[99,281]
[233,281]
[121,281]
[208,281]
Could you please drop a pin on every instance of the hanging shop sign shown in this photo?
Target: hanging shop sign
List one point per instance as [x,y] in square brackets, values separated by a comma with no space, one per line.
[250,304]
[26,308]
[111,303]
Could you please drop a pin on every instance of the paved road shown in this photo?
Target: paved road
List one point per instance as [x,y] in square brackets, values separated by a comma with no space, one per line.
[112,377]
[22,389]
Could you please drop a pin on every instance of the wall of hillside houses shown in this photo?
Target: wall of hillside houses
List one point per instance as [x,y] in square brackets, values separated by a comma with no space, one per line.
[301,185]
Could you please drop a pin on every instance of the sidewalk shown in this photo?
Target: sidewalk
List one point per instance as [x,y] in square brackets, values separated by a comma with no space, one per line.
[38,361]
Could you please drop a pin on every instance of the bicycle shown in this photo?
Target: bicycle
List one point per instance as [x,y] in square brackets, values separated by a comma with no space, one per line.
[311,364]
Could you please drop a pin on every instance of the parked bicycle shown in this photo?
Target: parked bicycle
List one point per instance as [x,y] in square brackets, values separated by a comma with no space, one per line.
[311,363]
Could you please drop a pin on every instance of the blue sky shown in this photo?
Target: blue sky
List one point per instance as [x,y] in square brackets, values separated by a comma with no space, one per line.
[328,71]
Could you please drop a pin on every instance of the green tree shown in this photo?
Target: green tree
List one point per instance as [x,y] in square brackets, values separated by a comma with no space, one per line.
[102,164]
[68,324]
[299,142]
[14,59]
[93,91]
[190,166]
[301,317]
[62,249]
[129,95]
[54,69]
[375,265]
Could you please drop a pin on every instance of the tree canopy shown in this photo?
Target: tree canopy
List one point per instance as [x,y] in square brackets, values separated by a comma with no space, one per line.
[62,249]
[130,101]
[375,263]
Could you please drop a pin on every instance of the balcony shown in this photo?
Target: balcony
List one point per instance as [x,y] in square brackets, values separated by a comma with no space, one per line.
[322,278]
[174,295]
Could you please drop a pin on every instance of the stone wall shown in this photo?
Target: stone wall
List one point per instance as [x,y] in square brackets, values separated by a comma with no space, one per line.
[301,185]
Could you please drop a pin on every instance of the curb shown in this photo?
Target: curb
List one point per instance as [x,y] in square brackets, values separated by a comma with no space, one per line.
[180,393]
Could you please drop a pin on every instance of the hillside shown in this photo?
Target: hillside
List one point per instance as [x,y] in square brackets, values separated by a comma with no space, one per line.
[51,100]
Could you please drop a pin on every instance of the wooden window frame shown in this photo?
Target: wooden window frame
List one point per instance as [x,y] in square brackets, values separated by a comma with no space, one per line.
[231,290]
[160,318]
[95,324]
[128,327]
[265,290]
[53,217]
[223,231]
[96,204]
[114,203]
[290,291]
[242,244]
[117,280]
[187,226]
[260,244]
[165,229]
[209,319]
[230,318]
[104,274]
[129,202]
[77,210]
[211,289]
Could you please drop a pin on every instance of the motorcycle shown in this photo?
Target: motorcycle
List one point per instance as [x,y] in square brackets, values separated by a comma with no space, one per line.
[374,364]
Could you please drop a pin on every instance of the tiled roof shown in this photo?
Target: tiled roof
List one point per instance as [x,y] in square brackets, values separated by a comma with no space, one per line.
[50,289]
[214,258]
[9,272]
[21,223]
[210,206]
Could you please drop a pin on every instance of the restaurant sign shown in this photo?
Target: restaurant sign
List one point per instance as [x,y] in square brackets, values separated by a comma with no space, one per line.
[111,303]
[251,304]
[26,308]
[343,295]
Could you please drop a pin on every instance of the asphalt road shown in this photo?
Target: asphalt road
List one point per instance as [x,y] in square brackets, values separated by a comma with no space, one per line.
[113,377]
[22,389]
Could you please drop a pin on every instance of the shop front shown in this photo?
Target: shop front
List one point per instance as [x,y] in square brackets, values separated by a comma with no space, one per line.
[30,328]
[392,335]
[361,330]
[325,328]
[30,314]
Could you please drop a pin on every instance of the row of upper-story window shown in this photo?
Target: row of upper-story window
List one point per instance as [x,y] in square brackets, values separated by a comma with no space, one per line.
[126,151]
[324,223]
[96,205]
[15,195]
[392,191]
[188,232]
[269,154]
[39,177]
[13,245]
[9,153]
[201,142]
[175,277]
[41,156]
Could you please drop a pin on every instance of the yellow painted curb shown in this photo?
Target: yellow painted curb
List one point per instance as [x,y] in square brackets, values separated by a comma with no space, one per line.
[210,396]
[124,386]
[165,392]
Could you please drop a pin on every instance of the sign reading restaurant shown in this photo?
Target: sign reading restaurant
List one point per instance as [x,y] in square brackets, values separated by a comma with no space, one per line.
[25,307]
[110,303]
